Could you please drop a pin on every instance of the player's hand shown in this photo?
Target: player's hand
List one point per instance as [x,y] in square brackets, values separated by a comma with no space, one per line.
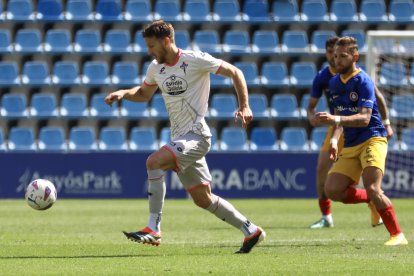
[114,97]
[245,115]
[324,118]
[389,130]
[333,152]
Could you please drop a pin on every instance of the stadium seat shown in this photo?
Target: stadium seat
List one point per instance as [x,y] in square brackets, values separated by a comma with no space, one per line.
[144,70]
[393,74]
[207,41]
[265,43]
[79,10]
[250,73]
[275,74]
[214,140]
[317,137]
[412,74]
[143,138]
[263,139]
[58,41]
[95,73]
[295,42]
[393,143]
[108,11]
[74,106]
[319,39]
[257,11]
[302,74]
[6,46]
[44,106]
[3,144]
[236,43]
[219,81]
[322,105]
[402,107]
[407,139]
[182,40]
[112,139]
[294,139]
[125,74]
[22,139]
[66,73]
[117,42]
[233,139]
[259,106]
[28,41]
[35,73]
[197,11]
[406,45]
[359,35]
[49,10]
[223,106]
[14,106]
[284,107]
[20,10]
[9,75]
[140,46]
[286,11]
[138,11]
[52,139]
[373,11]
[158,109]
[82,139]
[315,12]
[165,136]
[401,11]
[88,41]
[227,11]
[99,109]
[134,110]
[344,11]
[169,10]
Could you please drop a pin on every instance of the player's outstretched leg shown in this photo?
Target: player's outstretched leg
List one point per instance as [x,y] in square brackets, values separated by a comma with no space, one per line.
[145,236]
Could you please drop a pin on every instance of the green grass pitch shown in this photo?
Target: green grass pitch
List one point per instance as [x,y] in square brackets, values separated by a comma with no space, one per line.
[83,237]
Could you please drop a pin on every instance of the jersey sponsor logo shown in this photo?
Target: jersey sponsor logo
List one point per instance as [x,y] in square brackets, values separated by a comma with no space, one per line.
[162,71]
[353,96]
[174,85]
[342,108]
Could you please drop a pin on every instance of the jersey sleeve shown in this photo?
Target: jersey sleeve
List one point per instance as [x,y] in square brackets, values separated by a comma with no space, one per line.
[149,75]
[207,63]
[367,94]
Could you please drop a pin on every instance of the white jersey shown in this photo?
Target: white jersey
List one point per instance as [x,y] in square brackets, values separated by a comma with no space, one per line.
[185,87]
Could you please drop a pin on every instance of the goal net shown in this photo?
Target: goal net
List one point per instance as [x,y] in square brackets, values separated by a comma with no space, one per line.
[390,63]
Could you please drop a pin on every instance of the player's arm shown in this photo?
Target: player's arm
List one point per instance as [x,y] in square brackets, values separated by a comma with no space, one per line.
[136,94]
[360,119]
[337,132]
[311,110]
[382,106]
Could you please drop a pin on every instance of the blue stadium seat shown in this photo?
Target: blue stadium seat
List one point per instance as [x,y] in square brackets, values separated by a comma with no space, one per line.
[158,109]
[318,40]
[140,46]
[407,139]
[197,11]
[250,73]
[402,107]
[236,43]
[322,105]
[2,16]
[88,41]
[315,11]
[117,42]
[99,109]
[406,46]
[82,139]
[263,139]
[284,107]
[49,10]
[215,146]
[317,137]
[22,139]
[411,74]
[401,11]
[359,35]
[144,70]
[259,106]
[9,75]
[79,10]
[66,73]
[227,11]
[74,106]
[6,46]
[52,139]
[108,11]
[95,73]
[286,11]
[373,11]
[14,106]
[138,11]
[275,74]
[58,41]
[20,10]
[393,143]
[302,74]
[257,11]
[125,74]
[344,11]
[182,40]
[165,136]
[112,139]
[295,42]
[233,139]
[294,139]
[35,73]
[3,145]
[265,43]
[44,106]
[219,81]
[134,110]
[143,138]
[207,41]
[393,74]
[223,106]
[28,41]
[169,10]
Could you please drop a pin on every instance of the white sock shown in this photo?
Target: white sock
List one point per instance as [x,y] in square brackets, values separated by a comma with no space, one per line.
[154,222]
[329,218]
[156,195]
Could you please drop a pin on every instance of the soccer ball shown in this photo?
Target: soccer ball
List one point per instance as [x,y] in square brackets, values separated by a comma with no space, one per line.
[40,194]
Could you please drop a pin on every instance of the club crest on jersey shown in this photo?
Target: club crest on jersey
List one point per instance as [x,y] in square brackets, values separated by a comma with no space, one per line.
[353,96]
[184,67]
[174,85]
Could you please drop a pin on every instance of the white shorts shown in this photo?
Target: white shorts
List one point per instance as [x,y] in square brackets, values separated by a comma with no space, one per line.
[189,151]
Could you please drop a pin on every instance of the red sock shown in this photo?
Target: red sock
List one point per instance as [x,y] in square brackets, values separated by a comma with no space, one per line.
[355,196]
[390,221]
[325,206]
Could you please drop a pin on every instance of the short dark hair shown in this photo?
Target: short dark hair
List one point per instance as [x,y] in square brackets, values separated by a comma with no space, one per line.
[159,29]
[330,42]
[350,42]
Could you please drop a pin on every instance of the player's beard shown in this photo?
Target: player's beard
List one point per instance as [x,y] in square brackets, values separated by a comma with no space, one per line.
[161,56]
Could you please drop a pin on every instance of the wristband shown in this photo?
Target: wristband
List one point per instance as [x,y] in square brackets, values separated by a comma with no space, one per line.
[337,120]
[333,141]
[386,122]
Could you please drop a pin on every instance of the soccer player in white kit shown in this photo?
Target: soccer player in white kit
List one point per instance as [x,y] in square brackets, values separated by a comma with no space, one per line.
[183,76]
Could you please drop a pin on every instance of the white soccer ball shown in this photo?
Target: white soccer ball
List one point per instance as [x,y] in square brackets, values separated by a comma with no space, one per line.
[41,194]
